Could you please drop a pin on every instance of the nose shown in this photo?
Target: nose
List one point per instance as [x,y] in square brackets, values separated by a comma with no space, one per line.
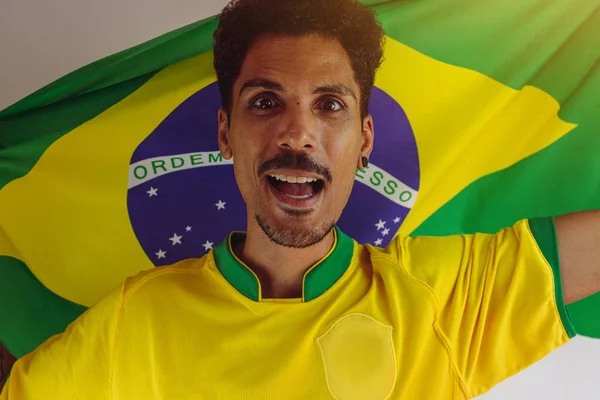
[298,132]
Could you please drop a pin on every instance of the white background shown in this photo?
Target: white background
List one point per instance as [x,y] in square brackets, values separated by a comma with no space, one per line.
[41,41]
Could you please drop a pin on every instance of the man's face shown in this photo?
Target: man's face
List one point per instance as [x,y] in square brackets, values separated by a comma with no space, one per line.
[296,135]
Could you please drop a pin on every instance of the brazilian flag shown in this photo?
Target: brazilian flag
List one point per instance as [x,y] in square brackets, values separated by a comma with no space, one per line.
[485,112]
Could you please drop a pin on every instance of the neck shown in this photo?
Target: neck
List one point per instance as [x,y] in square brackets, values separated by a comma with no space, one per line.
[280,269]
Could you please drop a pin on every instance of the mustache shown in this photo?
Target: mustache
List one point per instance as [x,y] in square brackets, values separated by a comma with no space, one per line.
[294,160]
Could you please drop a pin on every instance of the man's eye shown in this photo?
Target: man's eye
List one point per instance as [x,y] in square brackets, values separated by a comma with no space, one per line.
[264,103]
[332,105]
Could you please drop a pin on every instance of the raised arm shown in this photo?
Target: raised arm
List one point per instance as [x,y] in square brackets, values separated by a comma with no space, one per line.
[579,249]
[500,300]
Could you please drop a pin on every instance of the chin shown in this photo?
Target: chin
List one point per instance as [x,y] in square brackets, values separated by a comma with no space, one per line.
[296,231]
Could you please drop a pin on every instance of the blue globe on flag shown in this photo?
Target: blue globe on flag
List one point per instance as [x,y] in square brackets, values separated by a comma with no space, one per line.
[183,199]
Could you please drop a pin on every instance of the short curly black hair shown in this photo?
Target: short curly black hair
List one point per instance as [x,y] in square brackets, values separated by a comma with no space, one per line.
[353,24]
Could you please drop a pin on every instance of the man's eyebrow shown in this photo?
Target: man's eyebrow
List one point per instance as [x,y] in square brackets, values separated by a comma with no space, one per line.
[261,83]
[335,88]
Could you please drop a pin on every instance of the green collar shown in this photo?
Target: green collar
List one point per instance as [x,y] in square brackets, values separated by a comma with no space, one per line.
[317,279]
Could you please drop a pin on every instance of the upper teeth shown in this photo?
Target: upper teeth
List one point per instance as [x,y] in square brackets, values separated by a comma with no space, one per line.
[293,179]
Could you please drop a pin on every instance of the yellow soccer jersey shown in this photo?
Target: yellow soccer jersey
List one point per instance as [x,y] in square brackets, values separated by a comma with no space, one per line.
[425,318]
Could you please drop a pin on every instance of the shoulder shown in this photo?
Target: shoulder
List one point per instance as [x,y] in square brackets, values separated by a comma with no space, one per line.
[384,260]
[439,250]
[420,257]
[403,250]
[387,266]
[167,276]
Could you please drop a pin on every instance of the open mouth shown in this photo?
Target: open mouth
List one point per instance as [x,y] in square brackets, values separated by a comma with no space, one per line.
[296,187]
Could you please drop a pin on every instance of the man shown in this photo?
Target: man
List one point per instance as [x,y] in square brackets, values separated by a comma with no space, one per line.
[295,309]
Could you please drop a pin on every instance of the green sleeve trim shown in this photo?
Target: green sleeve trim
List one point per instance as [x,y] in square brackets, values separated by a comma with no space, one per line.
[544,232]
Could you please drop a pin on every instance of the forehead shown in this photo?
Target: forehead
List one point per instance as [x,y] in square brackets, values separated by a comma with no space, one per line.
[297,62]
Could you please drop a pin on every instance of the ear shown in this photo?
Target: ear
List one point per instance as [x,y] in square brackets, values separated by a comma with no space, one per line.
[368,136]
[223,135]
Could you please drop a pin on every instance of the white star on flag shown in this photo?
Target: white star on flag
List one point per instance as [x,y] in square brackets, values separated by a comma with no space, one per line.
[161,254]
[208,245]
[175,239]
[396,220]
[380,224]
[152,192]
[378,242]
[385,232]
[188,228]
[220,205]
